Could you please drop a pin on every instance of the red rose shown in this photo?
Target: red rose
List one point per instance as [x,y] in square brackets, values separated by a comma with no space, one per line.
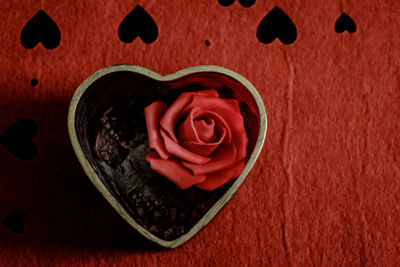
[199,140]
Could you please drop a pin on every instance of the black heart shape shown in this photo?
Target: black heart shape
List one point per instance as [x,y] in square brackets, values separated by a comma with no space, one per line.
[276,24]
[247,3]
[244,3]
[345,23]
[138,23]
[15,222]
[40,28]
[17,139]
[226,2]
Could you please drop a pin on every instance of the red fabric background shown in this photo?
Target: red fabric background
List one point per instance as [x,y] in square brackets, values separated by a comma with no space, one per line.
[326,188]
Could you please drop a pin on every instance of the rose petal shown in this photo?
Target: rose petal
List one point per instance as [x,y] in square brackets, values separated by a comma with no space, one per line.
[174,112]
[205,129]
[217,179]
[207,92]
[223,158]
[212,103]
[153,114]
[220,123]
[186,130]
[173,170]
[189,137]
[229,110]
[181,152]
[202,148]
[241,142]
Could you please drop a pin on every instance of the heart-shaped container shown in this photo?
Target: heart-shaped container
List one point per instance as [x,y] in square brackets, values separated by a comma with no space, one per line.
[108,132]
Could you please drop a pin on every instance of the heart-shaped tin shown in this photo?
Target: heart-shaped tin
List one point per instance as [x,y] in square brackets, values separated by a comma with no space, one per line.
[107,127]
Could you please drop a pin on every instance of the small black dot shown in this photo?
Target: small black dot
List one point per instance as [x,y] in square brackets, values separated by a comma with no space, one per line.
[207,43]
[34,82]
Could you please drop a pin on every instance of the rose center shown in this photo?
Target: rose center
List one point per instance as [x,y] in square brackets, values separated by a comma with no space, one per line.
[205,129]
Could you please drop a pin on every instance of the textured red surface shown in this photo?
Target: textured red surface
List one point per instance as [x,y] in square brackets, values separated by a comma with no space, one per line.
[326,188]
